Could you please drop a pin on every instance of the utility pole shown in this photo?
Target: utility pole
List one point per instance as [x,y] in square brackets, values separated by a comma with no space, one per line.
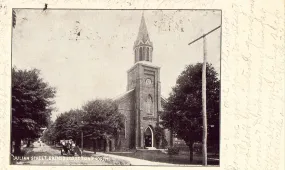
[204,104]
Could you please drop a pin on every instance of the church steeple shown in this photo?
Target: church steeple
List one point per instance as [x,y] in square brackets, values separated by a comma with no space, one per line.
[143,46]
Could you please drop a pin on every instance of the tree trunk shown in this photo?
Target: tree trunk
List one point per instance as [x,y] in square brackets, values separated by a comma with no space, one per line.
[171,138]
[82,141]
[159,144]
[29,143]
[12,146]
[107,145]
[204,83]
[191,151]
[17,146]
[113,145]
[102,144]
[94,146]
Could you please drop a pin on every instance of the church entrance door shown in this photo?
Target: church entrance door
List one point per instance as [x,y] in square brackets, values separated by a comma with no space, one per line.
[148,137]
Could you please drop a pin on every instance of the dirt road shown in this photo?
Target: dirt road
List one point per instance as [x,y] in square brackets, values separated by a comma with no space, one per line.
[46,155]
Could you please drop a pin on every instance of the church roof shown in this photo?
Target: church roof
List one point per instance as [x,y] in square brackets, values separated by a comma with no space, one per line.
[163,101]
[163,98]
[143,35]
[123,95]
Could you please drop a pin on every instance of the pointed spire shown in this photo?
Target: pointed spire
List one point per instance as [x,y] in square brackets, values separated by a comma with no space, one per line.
[143,46]
[143,33]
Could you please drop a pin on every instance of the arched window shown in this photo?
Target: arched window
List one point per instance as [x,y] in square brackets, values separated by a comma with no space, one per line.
[124,131]
[125,128]
[150,53]
[149,105]
[140,58]
[147,54]
[144,53]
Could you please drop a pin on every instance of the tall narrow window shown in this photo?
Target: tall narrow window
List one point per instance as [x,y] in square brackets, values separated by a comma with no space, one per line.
[149,105]
[140,58]
[147,54]
[125,128]
[137,52]
[143,53]
[150,49]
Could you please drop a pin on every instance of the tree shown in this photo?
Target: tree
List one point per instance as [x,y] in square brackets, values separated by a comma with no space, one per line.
[31,105]
[102,120]
[159,136]
[183,109]
[49,133]
[67,126]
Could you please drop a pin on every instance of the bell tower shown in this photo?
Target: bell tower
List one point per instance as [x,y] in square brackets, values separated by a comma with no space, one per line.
[144,79]
[143,46]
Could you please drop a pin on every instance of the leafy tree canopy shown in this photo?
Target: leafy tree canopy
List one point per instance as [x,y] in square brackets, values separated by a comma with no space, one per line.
[102,119]
[183,109]
[32,100]
[96,119]
[68,125]
[31,103]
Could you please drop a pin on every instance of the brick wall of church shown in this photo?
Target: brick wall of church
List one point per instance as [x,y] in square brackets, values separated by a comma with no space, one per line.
[126,107]
[132,78]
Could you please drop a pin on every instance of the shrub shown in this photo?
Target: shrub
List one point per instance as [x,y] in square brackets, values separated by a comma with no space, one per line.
[158,135]
[164,143]
[197,147]
[173,151]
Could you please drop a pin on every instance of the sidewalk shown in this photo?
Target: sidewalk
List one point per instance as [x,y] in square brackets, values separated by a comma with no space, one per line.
[135,161]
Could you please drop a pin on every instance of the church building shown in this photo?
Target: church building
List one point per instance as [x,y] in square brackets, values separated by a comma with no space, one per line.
[142,101]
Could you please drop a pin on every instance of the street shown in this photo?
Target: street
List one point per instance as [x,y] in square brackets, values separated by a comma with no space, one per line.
[47,155]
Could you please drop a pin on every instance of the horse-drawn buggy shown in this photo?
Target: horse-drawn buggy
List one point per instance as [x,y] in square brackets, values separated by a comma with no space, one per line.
[69,148]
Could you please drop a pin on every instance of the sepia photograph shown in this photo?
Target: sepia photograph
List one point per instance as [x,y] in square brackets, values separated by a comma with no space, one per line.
[115,87]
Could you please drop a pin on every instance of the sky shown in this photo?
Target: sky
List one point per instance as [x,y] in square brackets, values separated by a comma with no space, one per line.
[85,54]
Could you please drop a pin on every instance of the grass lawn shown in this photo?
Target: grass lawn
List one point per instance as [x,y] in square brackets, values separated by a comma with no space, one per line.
[158,156]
